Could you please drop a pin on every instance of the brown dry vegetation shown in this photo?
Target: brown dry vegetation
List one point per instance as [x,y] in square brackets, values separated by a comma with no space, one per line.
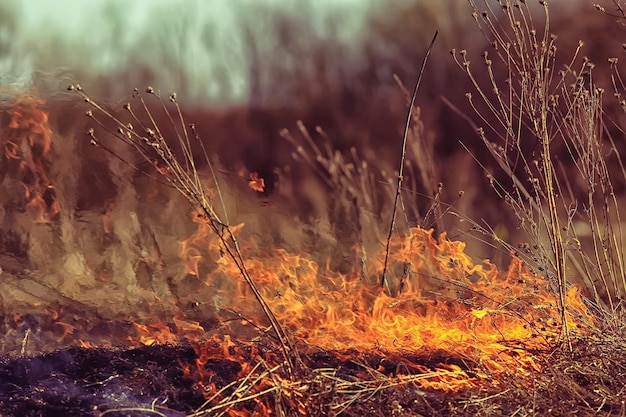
[539,173]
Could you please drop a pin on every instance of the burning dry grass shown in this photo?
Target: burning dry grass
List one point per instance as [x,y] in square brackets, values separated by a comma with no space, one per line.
[446,335]
[25,142]
[587,382]
[440,299]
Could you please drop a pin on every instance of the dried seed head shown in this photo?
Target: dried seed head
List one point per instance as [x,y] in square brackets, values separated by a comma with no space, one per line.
[71,87]
[127,106]
[89,113]
[150,90]
[173,97]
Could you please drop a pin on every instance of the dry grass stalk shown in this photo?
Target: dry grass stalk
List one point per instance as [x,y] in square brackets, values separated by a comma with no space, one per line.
[532,111]
[148,140]
[392,224]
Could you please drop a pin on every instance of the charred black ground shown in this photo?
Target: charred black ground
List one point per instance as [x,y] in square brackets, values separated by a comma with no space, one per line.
[150,381]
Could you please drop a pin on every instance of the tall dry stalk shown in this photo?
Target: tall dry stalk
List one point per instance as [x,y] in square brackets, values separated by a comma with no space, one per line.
[384,284]
[543,125]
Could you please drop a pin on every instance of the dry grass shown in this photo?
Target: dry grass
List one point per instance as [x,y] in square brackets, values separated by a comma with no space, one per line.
[543,125]
[541,120]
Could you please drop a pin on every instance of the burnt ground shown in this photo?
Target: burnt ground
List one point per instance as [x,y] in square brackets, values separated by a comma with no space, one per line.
[151,380]
[80,381]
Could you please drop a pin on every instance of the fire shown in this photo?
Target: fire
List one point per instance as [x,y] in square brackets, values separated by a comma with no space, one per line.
[256,183]
[441,305]
[450,322]
[27,140]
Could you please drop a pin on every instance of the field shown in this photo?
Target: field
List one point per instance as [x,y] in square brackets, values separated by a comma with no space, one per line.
[362,235]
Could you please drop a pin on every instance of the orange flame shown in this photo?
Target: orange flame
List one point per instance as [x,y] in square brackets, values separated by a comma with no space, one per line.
[26,141]
[441,302]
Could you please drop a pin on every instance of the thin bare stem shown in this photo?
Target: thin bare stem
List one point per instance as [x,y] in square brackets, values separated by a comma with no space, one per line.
[384,284]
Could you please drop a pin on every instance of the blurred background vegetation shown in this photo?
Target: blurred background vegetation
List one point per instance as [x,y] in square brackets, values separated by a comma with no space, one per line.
[230,53]
[245,69]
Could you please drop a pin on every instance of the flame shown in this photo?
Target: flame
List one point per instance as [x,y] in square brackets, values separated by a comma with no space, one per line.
[441,303]
[256,183]
[161,333]
[27,140]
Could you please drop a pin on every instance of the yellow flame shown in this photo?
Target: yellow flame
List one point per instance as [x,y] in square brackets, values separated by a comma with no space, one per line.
[441,302]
